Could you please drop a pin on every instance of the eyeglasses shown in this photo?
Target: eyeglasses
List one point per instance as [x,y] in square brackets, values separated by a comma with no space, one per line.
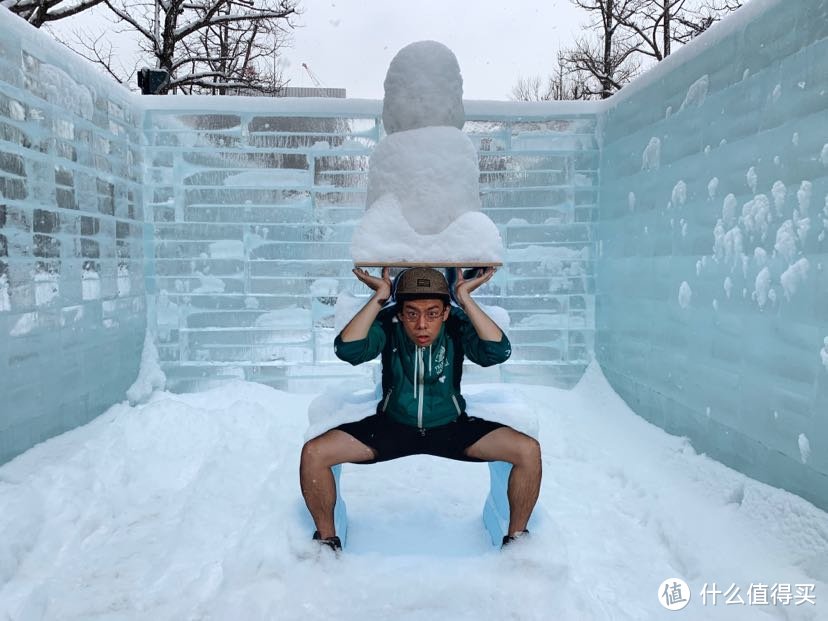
[412,316]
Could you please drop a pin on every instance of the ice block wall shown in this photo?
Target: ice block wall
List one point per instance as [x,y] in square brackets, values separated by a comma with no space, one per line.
[253,212]
[712,276]
[72,304]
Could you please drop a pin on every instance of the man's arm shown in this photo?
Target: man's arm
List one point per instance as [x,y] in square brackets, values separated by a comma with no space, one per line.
[486,329]
[357,328]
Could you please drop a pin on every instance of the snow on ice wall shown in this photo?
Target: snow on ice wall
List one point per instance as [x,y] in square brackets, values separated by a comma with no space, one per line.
[712,296]
[253,213]
[72,303]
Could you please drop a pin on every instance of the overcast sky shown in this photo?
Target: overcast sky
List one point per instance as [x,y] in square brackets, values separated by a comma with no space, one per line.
[349,43]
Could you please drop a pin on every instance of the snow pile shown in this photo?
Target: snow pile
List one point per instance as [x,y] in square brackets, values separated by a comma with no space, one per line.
[188,507]
[423,200]
[150,375]
[433,173]
[423,87]
[471,230]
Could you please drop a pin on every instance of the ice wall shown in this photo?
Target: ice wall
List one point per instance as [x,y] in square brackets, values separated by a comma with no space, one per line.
[712,297]
[253,212]
[72,304]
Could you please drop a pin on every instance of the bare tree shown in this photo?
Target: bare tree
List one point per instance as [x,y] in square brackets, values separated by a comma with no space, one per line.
[204,45]
[607,57]
[657,24]
[38,12]
[566,83]
[241,55]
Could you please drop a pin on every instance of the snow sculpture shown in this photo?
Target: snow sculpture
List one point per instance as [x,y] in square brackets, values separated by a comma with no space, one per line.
[423,202]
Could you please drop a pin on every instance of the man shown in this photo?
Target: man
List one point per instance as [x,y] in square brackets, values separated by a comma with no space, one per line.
[422,340]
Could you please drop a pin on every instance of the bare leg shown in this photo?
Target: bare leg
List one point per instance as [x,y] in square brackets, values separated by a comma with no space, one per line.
[523,452]
[315,476]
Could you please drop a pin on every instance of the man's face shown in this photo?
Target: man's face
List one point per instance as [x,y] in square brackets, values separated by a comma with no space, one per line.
[422,320]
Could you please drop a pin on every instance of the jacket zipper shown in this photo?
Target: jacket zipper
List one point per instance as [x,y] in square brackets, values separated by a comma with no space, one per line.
[421,389]
[456,405]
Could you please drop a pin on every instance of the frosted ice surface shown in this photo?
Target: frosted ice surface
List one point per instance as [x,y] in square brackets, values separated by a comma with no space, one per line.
[760,256]
[823,157]
[728,286]
[804,448]
[631,201]
[347,305]
[651,158]
[150,376]
[795,139]
[123,281]
[697,93]
[24,324]
[712,187]
[684,295]
[383,232]
[786,241]
[729,206]
[5,300]
[777,93]
[432,172]
[794,276]
[271,178]
[779,193]
[209,284]
[46,287]
[290,317]
[679,196]
[91,285]
[803,197]
[823,353]
[756,215]
[227,249]
[423,88]
[762,287]
[324,287]
[752,179]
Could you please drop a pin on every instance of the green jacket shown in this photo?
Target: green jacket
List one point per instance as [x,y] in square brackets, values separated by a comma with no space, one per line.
[421,385]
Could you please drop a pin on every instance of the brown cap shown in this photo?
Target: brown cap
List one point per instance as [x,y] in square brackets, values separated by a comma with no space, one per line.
[421,283]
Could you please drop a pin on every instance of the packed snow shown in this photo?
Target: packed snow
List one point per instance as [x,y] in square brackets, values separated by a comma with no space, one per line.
[384,234]
[433,173]
[423,88]
[188,507]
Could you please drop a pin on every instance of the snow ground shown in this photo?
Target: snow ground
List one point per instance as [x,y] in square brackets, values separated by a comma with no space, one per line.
[188,507]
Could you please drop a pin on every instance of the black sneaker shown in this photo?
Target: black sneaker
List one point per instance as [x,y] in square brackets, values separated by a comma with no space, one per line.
[332,542]
[507,539]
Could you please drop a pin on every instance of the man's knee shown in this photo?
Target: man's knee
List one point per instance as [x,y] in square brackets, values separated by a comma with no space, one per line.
[316,453]
[332,448]
[528,453]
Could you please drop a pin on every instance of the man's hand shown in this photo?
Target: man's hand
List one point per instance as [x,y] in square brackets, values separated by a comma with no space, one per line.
[463,288]
[381,285]
[358,327]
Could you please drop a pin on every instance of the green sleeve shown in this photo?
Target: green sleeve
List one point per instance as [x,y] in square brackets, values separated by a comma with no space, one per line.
[357,352]
[484,353]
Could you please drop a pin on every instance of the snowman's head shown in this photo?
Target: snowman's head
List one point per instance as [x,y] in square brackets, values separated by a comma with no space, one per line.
[423,88]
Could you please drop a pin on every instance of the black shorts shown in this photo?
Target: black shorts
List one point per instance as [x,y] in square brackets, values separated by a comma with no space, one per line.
[391,439]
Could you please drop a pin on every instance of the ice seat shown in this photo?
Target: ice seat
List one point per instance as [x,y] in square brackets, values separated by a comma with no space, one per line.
[501,403]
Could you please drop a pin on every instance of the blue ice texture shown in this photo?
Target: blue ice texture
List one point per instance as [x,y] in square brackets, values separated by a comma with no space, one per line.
[676,233]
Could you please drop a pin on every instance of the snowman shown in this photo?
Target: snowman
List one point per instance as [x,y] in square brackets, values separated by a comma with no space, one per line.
[423,203]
